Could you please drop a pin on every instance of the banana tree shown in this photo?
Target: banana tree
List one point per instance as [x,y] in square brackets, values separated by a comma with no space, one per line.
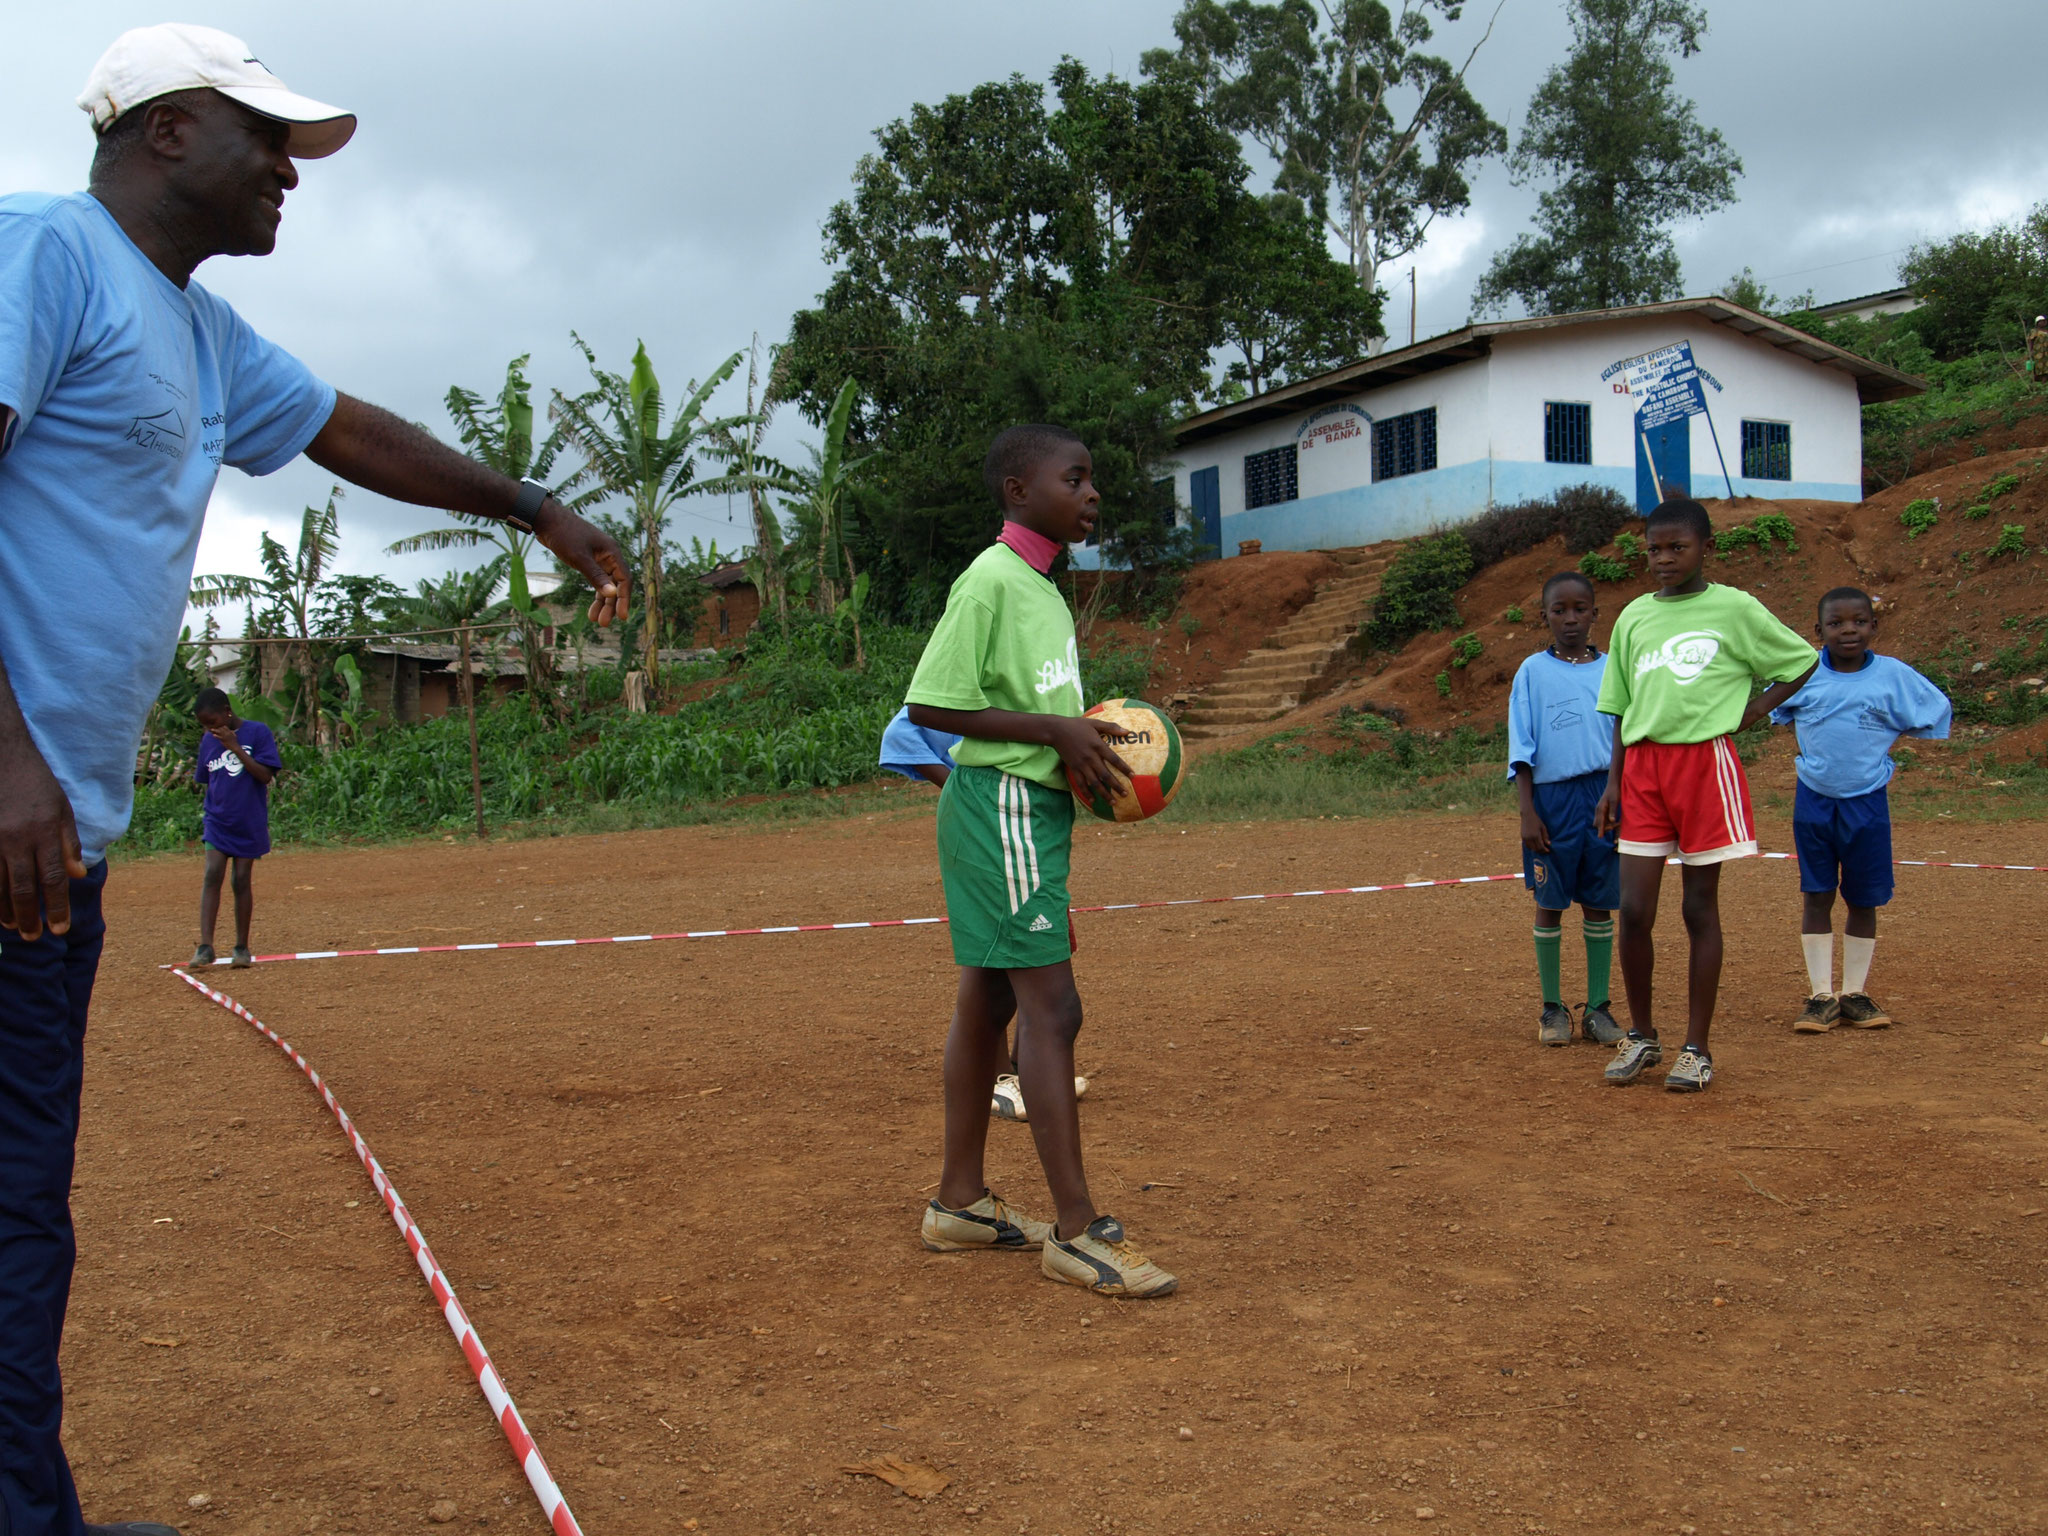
[820,512]
[750,470]
[500,434]
[290,590]
[617,426]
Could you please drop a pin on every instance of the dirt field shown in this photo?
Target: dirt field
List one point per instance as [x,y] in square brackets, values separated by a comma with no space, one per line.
[1434,1278]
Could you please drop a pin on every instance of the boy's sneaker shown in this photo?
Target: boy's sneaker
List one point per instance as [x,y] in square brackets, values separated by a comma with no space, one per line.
[1633,1056]
[1104,1261]
[1858,1009]
[203,955]
[1598,1025]
[1007,1102]
[1823,1011]
[1691,1072]
[131,1528]
[990,1222]
[1556,1025]
[238,958]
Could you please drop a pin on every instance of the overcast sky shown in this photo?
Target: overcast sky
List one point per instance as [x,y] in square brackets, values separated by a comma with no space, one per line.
[633,169]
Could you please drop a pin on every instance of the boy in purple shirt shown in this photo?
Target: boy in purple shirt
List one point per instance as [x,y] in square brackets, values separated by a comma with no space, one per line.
[237,760]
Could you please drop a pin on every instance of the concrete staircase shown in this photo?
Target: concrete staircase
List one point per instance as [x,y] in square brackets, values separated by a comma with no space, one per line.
[1272,679]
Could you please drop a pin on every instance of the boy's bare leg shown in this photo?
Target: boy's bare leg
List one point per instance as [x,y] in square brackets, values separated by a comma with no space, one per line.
[1861,923]
[244,881]
[974,1055]
[1642,879]
[1701,884]
[1817,912]
[1048,1019]
[209,895]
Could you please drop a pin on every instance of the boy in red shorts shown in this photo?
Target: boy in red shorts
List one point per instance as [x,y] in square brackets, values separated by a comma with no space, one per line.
[1679,669]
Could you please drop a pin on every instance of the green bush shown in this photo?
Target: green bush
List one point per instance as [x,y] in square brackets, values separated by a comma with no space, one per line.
[1587,516]
[1466,649]
[2004,485]
[2011,540]
[1514,614]
[1601,568]
[1443,685]
[1419,590]
[1630,546]
[1918,517]
[1757,533]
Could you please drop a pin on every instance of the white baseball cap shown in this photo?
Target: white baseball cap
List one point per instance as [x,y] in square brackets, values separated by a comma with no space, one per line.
[149,62]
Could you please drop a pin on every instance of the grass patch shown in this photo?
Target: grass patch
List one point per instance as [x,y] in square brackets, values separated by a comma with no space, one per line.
[1375,769]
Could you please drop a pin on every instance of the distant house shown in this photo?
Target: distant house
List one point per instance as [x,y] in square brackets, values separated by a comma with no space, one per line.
[1432,434]
[1893,301]
[730,609]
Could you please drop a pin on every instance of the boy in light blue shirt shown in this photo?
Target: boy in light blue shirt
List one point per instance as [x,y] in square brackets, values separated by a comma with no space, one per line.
[1852,710]
[1559,749]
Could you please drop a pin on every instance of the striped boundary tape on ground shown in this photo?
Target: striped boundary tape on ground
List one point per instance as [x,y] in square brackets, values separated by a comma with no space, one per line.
[924,922]
[552,1504]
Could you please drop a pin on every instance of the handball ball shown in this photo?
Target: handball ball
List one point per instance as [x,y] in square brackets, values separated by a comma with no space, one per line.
[1151,745]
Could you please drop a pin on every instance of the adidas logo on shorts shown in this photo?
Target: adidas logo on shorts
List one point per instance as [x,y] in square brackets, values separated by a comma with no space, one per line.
[1041,923]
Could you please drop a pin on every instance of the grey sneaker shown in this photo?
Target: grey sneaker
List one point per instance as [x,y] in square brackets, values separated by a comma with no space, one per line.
[1823,1011]
[1556,1026]
[1634,1056]
[1691,1072]
[1597,1024]
[203,955]
[1859,1010]
[131,1528]
[238,959]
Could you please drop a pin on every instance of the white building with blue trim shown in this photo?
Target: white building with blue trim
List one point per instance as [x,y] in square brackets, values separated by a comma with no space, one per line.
[1433,434]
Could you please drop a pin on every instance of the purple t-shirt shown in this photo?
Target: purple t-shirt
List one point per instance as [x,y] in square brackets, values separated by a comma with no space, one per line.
[237,807]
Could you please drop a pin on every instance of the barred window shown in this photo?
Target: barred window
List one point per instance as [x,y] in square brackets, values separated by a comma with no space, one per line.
[1766,450]
[1404,445]
[1271,477]
[1567,432]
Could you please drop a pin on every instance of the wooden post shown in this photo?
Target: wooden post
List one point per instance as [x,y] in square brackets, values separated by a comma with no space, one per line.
[476,771]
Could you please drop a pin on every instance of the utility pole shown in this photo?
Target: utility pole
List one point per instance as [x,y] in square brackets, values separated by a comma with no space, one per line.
[1411,306]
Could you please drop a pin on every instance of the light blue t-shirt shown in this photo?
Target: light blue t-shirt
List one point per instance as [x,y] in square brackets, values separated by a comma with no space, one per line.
[129,394]
[1847,722]
[907,747]
[1553,725]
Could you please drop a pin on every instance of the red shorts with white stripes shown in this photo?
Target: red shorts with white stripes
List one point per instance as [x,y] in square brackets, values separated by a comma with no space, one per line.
[1687,798]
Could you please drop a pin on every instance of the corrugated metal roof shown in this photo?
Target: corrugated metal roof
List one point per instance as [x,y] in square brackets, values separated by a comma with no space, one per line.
[1874,381]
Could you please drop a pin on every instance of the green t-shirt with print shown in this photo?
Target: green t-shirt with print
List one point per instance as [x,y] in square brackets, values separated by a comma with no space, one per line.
[1005,641]
[1679,668]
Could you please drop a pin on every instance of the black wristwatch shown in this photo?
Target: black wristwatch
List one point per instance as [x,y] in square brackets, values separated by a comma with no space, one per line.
[527,504]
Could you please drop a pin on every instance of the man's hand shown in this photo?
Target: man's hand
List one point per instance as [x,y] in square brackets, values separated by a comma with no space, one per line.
[1084,746]
[594,553]
[1535,835]
[39,852]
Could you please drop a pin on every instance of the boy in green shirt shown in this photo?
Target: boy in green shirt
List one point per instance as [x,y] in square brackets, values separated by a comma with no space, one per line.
[1002,671]
[1679,667]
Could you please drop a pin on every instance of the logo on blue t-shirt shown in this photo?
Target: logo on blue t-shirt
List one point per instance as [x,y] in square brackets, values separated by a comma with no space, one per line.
[1565,718]
[164,432]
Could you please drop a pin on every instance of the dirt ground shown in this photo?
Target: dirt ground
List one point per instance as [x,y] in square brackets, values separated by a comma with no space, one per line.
[1434,1278]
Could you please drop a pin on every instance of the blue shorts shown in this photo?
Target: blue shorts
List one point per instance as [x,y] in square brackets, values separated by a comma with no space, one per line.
[1581,869]
[1846,843]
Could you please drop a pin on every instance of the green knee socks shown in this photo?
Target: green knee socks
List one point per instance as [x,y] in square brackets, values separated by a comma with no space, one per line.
[1599,960]
[1549,948]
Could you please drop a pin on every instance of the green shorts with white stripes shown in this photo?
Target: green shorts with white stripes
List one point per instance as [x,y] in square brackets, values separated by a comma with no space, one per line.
[1004,845]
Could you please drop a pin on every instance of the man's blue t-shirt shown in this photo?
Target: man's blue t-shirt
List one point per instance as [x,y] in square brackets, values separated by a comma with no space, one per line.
[1553,724]
[907,747]
[237,819]
[129,394]
[1847,722]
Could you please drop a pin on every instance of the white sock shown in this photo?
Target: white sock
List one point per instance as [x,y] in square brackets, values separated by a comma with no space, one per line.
[1820,963]
[1856,962]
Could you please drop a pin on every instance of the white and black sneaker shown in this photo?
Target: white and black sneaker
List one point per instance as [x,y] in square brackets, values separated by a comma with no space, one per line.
[1007,1101]
[1634,1056]
[1691,1073]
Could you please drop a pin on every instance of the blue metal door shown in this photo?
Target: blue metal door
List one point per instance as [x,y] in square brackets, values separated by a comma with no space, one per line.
[1205,496]
[1670,446]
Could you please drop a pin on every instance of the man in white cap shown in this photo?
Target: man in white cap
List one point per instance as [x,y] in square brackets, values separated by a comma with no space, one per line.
[124,386]
[2037,350]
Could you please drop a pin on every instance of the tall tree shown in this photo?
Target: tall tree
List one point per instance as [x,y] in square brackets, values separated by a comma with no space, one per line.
[1628,158]
[1288,310]
[290,589]
[755,474]
[617,426]
[1001,260]
[819,510]
[1373,135]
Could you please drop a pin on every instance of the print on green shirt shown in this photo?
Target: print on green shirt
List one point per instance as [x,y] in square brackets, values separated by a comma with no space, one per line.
[1679,668]
[1005,641]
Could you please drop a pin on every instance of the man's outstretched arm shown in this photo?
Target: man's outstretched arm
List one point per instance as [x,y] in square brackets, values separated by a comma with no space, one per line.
[368,446]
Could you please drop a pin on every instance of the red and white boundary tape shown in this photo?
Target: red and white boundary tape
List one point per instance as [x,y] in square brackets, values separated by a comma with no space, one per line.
[923,922]
[552,1504]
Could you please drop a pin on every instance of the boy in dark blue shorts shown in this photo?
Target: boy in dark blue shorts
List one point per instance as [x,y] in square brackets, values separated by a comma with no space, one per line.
[237,760]
[1852,710]
[1559,746]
